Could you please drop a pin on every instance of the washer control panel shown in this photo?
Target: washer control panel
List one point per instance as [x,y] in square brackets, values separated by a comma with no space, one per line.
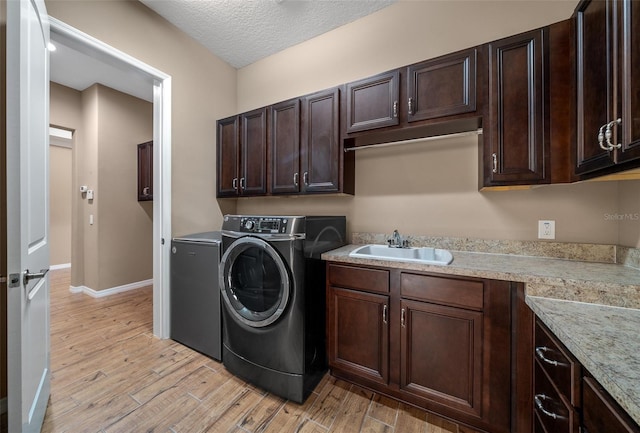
[264,224]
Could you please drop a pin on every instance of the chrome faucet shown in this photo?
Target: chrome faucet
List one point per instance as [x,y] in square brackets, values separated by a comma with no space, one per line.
[396,240]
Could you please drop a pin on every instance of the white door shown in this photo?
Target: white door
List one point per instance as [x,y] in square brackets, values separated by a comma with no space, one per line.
[27,214]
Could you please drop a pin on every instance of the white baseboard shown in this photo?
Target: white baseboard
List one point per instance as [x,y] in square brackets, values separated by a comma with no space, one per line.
[112,291]
[3,405]
[60,266]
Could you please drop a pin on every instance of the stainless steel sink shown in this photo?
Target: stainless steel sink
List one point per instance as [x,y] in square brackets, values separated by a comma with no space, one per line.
[426,255]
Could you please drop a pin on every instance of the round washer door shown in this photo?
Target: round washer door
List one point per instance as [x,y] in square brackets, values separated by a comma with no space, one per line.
[254,282]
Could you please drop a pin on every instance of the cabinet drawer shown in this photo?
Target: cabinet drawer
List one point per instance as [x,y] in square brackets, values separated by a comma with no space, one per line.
[561,367]
[552,411]
[371,280]
[601,414]
[448,291]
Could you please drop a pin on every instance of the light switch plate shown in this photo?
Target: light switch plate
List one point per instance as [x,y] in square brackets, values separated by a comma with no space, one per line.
[546,229]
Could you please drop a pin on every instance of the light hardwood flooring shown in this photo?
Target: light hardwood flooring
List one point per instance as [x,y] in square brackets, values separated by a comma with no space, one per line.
[109,374]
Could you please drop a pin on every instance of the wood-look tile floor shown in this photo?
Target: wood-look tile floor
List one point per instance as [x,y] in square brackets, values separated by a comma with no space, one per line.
[109,374]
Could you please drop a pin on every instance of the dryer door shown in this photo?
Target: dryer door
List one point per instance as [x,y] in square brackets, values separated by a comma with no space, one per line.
[254,281]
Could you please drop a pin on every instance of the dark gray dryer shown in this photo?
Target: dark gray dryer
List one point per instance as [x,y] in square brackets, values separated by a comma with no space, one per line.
[273,299]
[195,293]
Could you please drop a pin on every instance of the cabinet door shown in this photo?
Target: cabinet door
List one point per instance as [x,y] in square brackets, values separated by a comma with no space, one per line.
[601,414]
[254,152]
[594,49]
[442,87]
[441,355]
[517,134]
[285,147]
[228,138]
[358,333]
[373,102]
[630,80]
[321,150]
[145,171]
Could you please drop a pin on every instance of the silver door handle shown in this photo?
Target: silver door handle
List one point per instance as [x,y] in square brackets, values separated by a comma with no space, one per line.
[27,276]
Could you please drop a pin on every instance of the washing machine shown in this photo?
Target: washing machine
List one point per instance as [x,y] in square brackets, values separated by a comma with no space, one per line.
[272,283]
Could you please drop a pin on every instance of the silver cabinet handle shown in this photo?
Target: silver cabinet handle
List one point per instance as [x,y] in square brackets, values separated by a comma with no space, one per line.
[395,108]
[608,134]
[234,184]
[403,314]
[410,106]
[494,157]
[295,178]
[541,350]
[384,314]
[538,399]
[305,178]
[27,276]
[243,183]
[605,133]
[145,190]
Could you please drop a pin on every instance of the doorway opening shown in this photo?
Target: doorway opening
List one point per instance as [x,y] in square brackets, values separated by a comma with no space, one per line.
[160,82]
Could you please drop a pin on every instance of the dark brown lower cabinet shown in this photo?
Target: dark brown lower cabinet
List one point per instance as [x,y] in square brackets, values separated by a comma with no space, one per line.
[438,342]
[563,390]
[600,413]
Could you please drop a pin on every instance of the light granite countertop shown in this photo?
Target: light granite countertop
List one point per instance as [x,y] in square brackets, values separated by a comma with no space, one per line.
[593,308]
[605,341]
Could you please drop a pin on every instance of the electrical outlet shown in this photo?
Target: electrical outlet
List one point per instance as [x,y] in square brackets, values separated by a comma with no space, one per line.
[546,229]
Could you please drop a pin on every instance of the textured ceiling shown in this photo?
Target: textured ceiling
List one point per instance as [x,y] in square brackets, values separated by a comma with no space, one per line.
[244,31]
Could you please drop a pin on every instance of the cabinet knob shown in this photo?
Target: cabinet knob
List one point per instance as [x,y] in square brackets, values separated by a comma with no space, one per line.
[384,314]
[494,157]
[305,178]
[243,183]
[403,314]
[234,183]
[145,190]
[295,178]
[395,109]
[410,106]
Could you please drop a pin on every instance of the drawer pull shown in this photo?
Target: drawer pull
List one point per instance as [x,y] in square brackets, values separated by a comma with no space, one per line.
[540,351]
[538,399]
[384,314]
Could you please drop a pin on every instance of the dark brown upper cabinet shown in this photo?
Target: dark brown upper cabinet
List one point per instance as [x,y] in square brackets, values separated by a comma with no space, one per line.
[442,87]
[242,154]
[515,131]
[530,110]
[285,147]
[386,106]
[608,100]
[373,102]
[608,81]
[145,171]
[322,159]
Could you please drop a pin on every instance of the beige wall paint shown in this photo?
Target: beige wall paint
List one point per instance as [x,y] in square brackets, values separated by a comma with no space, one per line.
[124,225]
[401,34]
[628,214]
[60,172]
[65,110]
[85,271]
[204,89]
[428,188]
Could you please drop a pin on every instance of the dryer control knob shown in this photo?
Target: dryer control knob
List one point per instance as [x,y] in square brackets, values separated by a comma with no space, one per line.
[249,224]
